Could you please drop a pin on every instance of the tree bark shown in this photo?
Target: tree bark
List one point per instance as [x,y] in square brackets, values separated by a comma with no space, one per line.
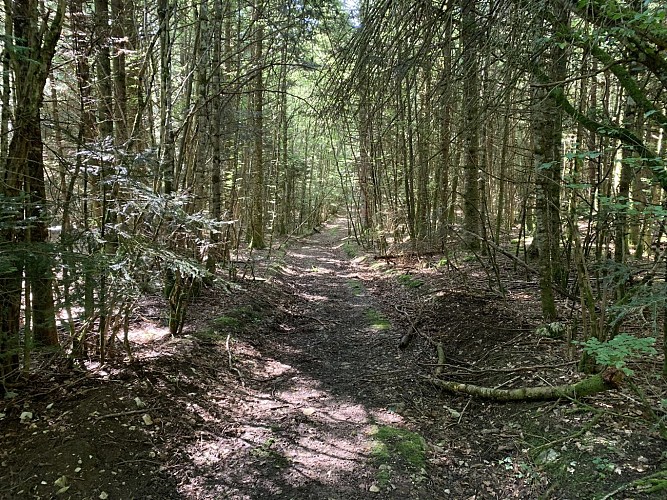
[257,180]
[167,139]
[118,31]
[547,158]
[610,379]
[23,188]
[471,197]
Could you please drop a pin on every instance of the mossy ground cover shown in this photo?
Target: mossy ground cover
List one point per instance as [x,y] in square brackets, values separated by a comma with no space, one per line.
[392,446]
[376,320]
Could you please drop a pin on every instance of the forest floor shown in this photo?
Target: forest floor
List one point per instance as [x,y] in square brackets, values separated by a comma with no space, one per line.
[292,385]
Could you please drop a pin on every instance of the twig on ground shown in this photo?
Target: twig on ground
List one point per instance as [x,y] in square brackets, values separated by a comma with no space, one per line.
[580,432]
[463,411]
[659,477]
[232,368]
[123,414]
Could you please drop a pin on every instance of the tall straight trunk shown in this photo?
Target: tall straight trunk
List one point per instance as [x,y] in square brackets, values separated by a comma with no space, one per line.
[257,179]
[547,158]
[11,264]
[23,187]
[424,157]
[406,154]
[471,196]
[286,172]
[638,224]
[216,128]
[205,117]
[104,80]
[6,93]
[167,139]
[80,26]
[441,199]
[188,167]
[578,163]
[118,31]
[106,131]
[232,68]
[502,174]
[364,169]
[623,191]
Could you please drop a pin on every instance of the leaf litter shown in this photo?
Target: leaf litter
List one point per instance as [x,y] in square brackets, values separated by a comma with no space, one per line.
[282,401]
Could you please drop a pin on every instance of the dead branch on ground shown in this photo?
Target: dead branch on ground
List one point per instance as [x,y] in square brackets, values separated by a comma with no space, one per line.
[609,379]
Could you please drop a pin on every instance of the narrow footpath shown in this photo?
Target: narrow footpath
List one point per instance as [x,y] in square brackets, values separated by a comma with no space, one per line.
[321,413]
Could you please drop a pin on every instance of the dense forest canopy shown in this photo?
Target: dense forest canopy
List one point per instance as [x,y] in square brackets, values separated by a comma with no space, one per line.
[144,147]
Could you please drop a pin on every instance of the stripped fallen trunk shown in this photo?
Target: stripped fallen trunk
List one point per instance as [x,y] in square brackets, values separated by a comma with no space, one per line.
[609,379]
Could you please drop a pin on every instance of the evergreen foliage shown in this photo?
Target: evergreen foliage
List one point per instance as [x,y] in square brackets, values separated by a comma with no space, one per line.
[163,140]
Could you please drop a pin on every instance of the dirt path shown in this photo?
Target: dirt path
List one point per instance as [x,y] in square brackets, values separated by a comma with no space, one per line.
[282,388]
[292,386]
[322,417]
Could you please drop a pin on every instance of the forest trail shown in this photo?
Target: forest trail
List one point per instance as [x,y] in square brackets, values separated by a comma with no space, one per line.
[291,385]
[321,401]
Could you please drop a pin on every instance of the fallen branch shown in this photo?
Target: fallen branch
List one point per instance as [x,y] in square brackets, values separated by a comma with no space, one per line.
[232,368]
[653,483]
[484,370]
[123,414]
[441,359]
[408,255]
[535,451]
[610,379]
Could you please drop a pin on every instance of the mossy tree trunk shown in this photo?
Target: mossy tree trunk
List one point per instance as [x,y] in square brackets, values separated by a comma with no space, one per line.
[605,381]
[257,239]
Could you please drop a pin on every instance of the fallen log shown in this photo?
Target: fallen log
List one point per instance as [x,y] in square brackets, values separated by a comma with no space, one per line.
[609,379]
[408,255]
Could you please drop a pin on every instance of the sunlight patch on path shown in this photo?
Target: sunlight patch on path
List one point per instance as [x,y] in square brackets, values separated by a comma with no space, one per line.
[301,432]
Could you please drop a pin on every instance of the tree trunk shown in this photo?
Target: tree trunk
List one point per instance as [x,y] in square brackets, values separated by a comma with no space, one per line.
[23,188]
[547,158]
[216,131]
[471,197]
[167,139]
[610,379]
[118,28]
[441,199]
[6,93]
[257,178]
[85,137]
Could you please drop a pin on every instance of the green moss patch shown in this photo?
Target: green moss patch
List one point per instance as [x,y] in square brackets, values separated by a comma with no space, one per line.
[409,281]
[266,452]
[392,443]
[236,318]
[228,322]
[356,287]
[376,320]
[350,249]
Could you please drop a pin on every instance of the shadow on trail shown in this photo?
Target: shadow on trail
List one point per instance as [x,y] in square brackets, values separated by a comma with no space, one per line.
[320,392]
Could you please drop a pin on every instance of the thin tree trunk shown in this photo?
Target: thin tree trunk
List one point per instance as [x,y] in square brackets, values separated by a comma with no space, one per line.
[167,138]
[471,201]
[106,131]
[118,32]
[547,157]
[6,90]
[257,179]
[216,131]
